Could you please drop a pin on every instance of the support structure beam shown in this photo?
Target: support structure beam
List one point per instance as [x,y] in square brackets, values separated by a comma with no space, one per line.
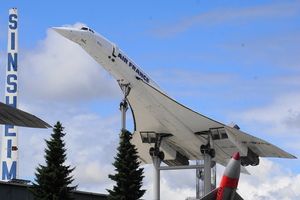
[123,108]
[181,167]
[156,177]
[207,173]
[124,105]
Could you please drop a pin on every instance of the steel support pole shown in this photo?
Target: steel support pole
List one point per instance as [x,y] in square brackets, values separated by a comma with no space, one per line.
[124,106]
[156,177]
[207,173]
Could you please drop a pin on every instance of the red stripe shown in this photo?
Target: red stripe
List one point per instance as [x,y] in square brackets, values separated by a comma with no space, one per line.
[229,182]
[220,193]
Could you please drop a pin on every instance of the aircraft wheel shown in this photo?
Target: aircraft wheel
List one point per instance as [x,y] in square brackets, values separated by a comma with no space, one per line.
[202,148]
[212,153]
[152,151]
[161,155]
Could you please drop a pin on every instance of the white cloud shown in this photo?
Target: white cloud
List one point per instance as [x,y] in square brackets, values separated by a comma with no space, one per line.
[279,116]
[60,70]
[269,180]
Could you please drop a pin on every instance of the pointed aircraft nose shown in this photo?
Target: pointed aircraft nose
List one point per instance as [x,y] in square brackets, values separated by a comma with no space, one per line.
[73,34]
[66,32]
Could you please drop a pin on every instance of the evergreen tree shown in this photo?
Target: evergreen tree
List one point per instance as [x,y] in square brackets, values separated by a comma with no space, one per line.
[53,178]
[129,176]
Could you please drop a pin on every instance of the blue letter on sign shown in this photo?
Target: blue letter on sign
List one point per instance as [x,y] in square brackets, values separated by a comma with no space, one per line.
[12,173]
[10,81]
[7,133]
[9,147]
[13,21]
[14,103]
[13,41]
[12,62]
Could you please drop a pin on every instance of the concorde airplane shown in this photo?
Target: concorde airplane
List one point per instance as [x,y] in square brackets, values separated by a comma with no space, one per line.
[183,134]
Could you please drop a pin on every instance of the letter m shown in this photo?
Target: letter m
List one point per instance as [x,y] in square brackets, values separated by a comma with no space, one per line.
[12,173]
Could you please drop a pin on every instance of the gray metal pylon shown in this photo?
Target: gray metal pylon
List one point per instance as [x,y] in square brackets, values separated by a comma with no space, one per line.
[156,177]
[124,105]
[208,153]
[200,178]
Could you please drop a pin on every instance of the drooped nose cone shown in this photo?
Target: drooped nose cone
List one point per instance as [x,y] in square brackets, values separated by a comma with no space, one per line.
[63,31]
[73,34]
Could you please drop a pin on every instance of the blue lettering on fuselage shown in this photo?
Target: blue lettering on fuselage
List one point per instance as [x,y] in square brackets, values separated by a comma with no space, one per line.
[133,67]
[125,60]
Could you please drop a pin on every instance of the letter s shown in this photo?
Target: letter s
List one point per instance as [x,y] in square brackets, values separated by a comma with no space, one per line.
[10,81]
[13,21]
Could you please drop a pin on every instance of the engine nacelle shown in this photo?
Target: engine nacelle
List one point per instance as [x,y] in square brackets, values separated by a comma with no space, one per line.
[172,156]
[251,159]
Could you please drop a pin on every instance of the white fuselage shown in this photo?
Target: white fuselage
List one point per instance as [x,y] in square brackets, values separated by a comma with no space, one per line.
[106,53]
[154,111]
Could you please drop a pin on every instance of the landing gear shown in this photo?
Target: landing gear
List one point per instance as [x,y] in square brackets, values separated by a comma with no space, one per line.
[155,152]
[208,153]
[124,105]
[206,149]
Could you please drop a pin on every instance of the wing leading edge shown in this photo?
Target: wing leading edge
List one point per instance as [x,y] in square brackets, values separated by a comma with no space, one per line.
[155,112]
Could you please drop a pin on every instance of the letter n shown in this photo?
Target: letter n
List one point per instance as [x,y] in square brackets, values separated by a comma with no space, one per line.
[12,62]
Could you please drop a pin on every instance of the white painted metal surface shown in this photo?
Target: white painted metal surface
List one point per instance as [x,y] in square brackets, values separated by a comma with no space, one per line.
[154,110]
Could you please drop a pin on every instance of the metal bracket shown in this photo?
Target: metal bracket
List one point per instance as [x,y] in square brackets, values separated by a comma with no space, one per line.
[153,137]
[124,105]
[209,147]
[125,89]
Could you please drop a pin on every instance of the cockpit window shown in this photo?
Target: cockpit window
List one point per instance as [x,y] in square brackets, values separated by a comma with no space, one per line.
[87,29]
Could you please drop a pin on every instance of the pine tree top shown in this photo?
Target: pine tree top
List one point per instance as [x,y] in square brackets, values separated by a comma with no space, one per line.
[54,178]
[129,176]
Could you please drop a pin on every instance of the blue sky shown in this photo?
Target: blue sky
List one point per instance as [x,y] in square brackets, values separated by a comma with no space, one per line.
[229,60]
